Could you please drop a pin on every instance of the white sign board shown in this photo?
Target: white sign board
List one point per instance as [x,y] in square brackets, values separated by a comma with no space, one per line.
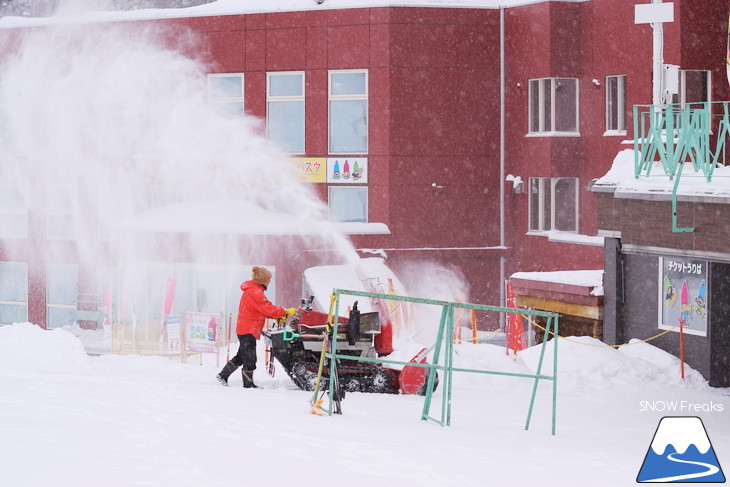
[649,13]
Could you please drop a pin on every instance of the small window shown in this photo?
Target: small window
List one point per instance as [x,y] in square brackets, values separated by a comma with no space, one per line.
[553,204]
[694,88]
[348,112]
[225,92]
[13,211]
[616,104]
[348,204]
[285,110]
[60,216]
[13,292]
[62,294]
[553,106]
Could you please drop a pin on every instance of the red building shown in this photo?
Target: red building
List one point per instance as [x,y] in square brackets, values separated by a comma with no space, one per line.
[438,106]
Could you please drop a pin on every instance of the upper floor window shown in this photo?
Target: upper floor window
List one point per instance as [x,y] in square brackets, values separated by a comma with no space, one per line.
[348,203]
[285,110]
[13,292]
[553,106]
[225,92]
[348,112]
[553,204]
[60,215]
[13,211]
[694,87]
[616,105]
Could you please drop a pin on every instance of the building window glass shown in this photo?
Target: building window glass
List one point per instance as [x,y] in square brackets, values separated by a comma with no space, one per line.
[616,104]
[348,112]
[553,106]
[285,110]
[13,211]
[348,204]
[553,204]
[60,216]
[62,294]
[694,88]
[13,292]
[225,92]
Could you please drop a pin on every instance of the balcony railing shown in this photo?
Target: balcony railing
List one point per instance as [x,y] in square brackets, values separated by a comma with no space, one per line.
[674,135]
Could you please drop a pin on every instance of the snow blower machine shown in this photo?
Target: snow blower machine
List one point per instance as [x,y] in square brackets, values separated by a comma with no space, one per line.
[297,345]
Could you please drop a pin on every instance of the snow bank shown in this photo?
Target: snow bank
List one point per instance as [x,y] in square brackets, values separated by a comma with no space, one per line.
[588,363]
[27,346]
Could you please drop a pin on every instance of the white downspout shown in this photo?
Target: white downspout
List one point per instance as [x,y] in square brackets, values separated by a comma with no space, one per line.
[502,298]
[658,61]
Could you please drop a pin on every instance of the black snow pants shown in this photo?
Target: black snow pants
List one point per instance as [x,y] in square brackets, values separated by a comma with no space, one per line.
[246,355]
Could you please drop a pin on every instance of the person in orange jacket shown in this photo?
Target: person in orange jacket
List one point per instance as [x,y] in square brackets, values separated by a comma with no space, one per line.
[253,310]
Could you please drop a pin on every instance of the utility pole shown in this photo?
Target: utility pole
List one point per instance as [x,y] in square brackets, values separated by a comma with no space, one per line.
[656,13]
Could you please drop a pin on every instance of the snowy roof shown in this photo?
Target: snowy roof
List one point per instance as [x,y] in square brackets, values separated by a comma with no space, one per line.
[693,185]
[586,278]
[237,7]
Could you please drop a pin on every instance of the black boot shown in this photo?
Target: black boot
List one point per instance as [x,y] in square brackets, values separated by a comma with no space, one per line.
[223,375]
[247,376]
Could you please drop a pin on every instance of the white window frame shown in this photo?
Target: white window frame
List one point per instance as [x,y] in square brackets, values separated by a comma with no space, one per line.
[287,99]
[49,304]
[552,182]
[348,188]
[14,211]
[541,130]
[619,109]
[348,97]
[227,99]
[22,304]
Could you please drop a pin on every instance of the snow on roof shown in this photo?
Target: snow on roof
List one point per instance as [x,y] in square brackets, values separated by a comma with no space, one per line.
[587,278]
[237,7]
[620,178]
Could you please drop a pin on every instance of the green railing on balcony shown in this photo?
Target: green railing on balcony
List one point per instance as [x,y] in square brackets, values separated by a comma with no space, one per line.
[677,134]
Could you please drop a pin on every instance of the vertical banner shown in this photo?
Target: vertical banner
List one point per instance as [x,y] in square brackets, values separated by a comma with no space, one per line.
[173,333]
[201,332]
[107,311]
[167,301]
[683,295]
[515,328]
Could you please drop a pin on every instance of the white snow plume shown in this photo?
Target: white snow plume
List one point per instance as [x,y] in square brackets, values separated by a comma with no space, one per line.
[107,122]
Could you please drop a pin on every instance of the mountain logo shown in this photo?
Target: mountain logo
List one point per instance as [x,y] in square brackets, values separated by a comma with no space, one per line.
[680,452]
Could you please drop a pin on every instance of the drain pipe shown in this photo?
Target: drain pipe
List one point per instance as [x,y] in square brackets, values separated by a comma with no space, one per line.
[502,298]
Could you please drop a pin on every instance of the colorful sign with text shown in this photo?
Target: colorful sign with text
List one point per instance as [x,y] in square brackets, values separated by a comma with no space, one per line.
[347,170]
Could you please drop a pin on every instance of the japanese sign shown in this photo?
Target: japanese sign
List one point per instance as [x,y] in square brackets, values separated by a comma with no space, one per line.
[311,169]
[201,332]
[172,323]
[347,170]
[683,295]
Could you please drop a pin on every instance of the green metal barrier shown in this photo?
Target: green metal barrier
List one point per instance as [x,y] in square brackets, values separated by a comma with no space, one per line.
[676,134]
[444,363]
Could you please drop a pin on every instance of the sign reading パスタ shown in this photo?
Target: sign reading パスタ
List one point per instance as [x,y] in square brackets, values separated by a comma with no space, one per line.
[683,295]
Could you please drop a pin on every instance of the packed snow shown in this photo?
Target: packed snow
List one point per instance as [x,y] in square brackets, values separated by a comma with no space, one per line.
[73,420]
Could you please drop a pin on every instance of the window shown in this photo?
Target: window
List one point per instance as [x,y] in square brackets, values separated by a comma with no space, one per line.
[285,110]
[694,88]
[60,218]
[348,112]
[553,107]
[13,292]
[553,204]
[62,294]
[225,92]
[348,204]
[13,211]
[616,104]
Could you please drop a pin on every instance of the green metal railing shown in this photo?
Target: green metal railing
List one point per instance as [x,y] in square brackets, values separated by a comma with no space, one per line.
[444,363]
[677,134]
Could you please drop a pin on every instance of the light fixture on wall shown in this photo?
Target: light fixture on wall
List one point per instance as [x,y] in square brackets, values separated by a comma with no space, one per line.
[596,82]
[518,186]
[436,188]
[319,2]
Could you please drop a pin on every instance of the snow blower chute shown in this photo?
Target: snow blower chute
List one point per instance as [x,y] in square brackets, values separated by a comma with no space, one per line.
[297,345]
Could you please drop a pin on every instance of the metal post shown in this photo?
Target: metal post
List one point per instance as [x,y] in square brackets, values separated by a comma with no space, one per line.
[432,371]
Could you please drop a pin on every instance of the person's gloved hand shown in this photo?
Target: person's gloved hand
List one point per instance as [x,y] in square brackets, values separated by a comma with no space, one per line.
[290,311]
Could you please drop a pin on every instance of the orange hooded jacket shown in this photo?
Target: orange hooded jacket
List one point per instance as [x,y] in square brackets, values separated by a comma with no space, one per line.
[254,308]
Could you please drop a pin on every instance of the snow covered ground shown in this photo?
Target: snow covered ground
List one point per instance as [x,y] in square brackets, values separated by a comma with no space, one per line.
[73,420]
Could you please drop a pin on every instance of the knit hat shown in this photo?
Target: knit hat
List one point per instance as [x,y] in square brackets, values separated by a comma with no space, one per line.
[261,275]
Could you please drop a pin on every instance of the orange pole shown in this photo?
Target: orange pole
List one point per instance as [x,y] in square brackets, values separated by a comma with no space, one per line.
[473,316]
[681,347]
